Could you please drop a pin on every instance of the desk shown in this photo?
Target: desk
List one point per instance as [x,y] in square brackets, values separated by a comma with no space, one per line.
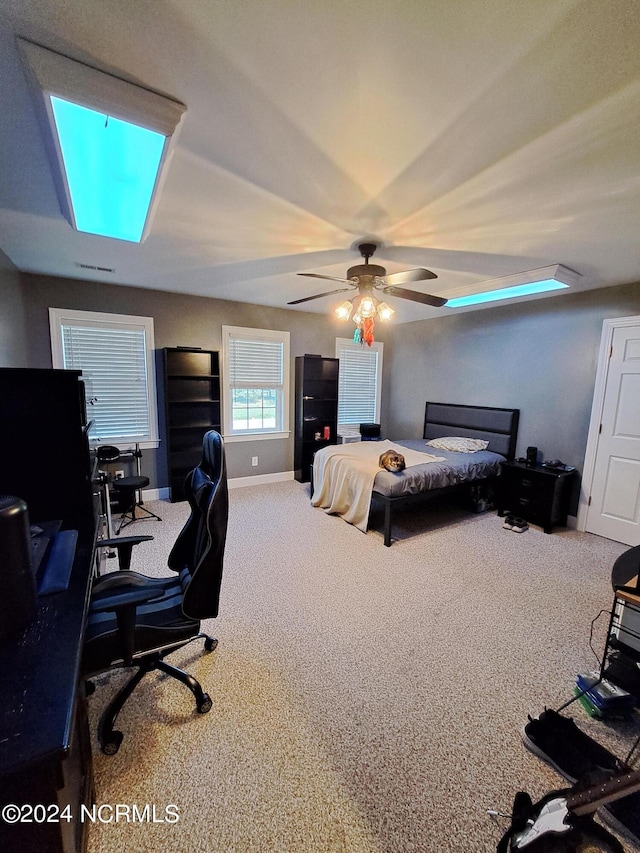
[626,568]
[45,751]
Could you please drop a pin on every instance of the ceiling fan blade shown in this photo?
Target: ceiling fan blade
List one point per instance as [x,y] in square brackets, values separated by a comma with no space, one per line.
[318,295]
[407,276]
[414,296]
[329,277]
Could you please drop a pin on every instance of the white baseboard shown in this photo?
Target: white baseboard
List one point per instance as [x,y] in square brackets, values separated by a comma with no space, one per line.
[155,494]
[260,479]
[235,483]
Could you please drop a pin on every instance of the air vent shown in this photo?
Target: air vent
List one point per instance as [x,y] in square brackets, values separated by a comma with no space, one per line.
[92,267]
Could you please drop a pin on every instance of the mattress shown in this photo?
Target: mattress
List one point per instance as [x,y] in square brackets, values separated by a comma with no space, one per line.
[455,468]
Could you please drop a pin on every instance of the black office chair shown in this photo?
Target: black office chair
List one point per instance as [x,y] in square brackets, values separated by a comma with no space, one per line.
[135,620]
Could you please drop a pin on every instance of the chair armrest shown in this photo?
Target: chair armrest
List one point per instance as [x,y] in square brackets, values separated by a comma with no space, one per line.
[124,547]
[123,540]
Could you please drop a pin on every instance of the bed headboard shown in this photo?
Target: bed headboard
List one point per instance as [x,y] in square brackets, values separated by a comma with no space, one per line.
[497,426]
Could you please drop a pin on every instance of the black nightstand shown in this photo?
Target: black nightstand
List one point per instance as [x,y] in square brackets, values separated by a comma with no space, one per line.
[537,494]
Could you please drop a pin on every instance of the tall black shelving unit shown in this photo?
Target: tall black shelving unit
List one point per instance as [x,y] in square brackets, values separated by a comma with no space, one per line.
[316,410]
[192,401]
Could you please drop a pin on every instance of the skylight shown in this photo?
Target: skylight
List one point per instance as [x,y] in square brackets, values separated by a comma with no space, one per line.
[108,142]
[555,277]
[111,167]
[506,293]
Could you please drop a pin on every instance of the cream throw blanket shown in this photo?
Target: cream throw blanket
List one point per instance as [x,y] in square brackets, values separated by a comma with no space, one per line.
[343,477]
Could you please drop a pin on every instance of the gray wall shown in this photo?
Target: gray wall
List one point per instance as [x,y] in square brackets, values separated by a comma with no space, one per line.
[181,321]
[539,356]
[13,325]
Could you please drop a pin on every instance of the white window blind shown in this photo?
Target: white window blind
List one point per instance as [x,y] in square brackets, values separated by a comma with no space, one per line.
[255,363]
[359,382]
[115,356]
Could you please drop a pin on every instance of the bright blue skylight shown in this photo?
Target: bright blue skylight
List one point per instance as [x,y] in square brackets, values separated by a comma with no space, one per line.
[111,170]
[506,293]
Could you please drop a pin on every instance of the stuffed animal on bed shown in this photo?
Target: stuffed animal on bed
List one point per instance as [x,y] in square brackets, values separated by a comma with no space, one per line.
[392,461]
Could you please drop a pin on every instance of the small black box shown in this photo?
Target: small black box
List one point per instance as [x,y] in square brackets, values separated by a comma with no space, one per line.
[370,432]
[532,456]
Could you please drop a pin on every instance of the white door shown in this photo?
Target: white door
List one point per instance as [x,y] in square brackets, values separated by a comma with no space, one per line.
[613,508]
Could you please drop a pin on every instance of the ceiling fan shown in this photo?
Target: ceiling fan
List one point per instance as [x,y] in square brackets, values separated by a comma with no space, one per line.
[365,279]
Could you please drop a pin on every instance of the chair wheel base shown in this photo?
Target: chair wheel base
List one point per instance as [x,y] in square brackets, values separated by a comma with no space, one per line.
[210,644]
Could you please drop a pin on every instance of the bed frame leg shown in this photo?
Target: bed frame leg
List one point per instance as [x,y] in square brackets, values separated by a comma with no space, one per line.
[387,524]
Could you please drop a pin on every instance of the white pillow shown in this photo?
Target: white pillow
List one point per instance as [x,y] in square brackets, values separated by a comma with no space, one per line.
[459,444]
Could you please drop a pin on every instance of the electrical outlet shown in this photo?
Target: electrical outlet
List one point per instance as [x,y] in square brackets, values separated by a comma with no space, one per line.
[119,475]
[254,461]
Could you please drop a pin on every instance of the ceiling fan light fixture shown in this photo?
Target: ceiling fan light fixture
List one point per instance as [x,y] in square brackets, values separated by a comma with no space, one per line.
[368,307]
[343,311]
[385,312]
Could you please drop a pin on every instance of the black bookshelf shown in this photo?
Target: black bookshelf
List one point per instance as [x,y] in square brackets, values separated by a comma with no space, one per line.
[192,401]
[316,410]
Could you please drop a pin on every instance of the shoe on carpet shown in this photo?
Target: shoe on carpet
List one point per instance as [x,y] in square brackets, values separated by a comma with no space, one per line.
[559,742]
[508,522]
[519,525]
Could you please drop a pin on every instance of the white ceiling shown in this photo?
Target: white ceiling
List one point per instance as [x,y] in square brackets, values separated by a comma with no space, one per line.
[475,139]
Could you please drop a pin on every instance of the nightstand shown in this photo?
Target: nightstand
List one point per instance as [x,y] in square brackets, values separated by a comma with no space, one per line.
[537,494]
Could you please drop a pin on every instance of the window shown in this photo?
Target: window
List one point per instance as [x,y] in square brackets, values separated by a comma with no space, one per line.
[115,354]
[359,384]
[255,398]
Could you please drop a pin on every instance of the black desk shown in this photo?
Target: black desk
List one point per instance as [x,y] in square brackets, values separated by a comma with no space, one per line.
[45,751]
[626,568]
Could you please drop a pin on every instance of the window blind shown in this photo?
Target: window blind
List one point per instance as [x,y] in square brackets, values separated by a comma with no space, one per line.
[114,371]
[255,363]
[357,384]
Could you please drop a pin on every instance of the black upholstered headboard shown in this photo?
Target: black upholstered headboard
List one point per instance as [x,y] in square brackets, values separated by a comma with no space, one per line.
[497,426]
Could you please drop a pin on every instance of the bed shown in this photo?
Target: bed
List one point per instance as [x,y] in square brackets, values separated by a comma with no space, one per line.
[353,474]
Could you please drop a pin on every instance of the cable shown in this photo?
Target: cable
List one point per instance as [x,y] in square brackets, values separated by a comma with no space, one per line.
[593,622]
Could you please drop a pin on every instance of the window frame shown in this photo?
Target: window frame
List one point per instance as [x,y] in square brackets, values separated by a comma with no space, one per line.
[99,319]
[378,346]
[283,429]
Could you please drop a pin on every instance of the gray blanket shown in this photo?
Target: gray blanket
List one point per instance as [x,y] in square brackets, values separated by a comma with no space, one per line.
[454,469]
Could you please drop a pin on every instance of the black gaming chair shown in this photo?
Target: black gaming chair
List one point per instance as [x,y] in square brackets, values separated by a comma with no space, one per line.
[136,620]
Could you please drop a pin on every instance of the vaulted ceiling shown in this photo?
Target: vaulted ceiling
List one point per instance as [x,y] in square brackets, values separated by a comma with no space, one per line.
[478,140]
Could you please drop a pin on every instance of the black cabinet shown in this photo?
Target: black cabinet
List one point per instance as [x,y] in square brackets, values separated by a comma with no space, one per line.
[45,750]
[537,494]
[192,402]
[44,445]
[316,410]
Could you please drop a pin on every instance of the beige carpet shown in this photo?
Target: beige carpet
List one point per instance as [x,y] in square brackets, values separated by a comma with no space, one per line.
[365,699]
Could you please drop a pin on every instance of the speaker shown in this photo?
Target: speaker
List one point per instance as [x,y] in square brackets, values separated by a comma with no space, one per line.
[532,455]
[370,432]
[18,596]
